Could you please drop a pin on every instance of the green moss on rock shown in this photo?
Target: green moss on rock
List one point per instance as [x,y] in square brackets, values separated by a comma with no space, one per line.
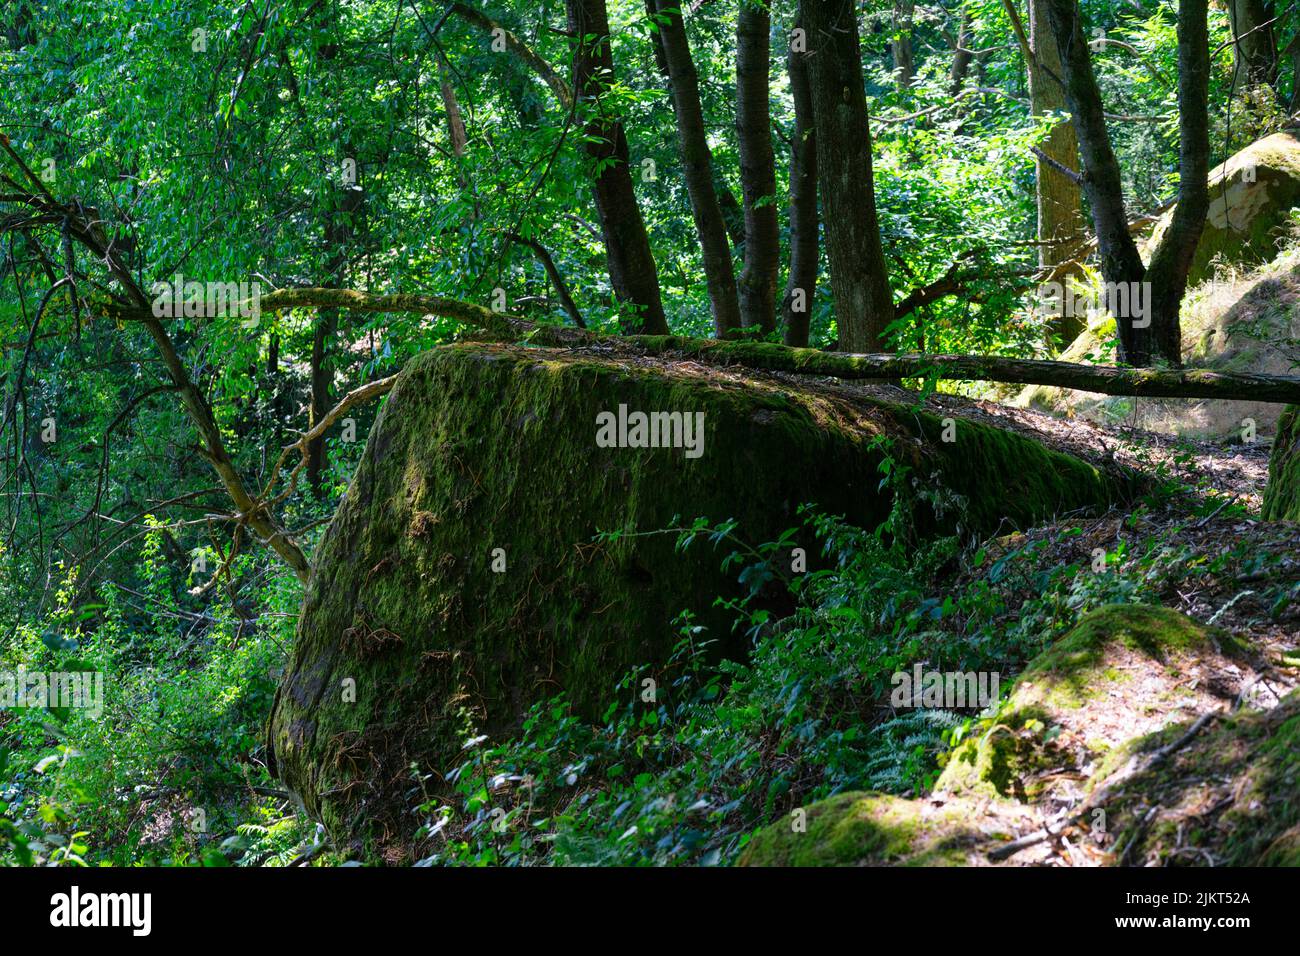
[1242,322]
[1282,494]
[1251,196]
[1228,797]
[483,447]
[1079,666]
[862,829]
[1227,794]
[1087,669]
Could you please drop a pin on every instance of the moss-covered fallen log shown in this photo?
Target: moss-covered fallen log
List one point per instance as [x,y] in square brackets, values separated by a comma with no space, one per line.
[764,356]
[1108,380]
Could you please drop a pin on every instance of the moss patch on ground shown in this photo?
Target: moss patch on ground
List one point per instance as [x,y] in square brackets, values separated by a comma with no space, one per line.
[864,829]
[1105,680]
[1230,797]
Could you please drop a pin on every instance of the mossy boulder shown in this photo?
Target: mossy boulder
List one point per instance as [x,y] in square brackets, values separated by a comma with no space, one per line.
[1228,796]
[464,576]
[1114,676]
[1251,198]
[1241,312]
[1282,494]
[1240,323]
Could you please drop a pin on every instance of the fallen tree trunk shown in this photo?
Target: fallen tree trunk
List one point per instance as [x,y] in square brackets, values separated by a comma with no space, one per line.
[1108,380]
[764,356]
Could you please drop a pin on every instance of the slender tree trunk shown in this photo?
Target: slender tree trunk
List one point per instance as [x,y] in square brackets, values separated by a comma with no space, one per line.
[322,338]
[757,168]
[801,284]
[339,231]
[859,279]
[1154,329]
[340,226]
[455,124]
[632,271]
[732,212]
[697,164]
[1255,50]
[961,56]
[1172,259]
[1061,226]
[1121,265]
[901,45]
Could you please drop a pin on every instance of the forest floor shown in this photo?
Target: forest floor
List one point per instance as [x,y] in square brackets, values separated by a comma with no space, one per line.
[1190,752]
[1228,568]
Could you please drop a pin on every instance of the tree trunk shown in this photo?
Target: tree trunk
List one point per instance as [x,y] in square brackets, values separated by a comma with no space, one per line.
[1153,330]
[901,45]
[322,338]
[1255,50]
[1060,203]
[859,279]
[757,168]
[1172,259]
[1121,266]
[961,56]
[801,284]
[632,271]
[697,164]
[732,213]
[455,124]
[340,226]
[339,230]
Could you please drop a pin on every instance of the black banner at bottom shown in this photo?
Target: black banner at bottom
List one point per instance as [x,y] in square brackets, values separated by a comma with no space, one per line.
[336,906]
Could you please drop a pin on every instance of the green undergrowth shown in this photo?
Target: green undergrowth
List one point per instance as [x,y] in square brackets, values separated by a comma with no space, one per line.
[691,757]
[167,771]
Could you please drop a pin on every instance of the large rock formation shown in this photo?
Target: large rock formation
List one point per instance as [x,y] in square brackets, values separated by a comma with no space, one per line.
[463,579]
[1247,323]
[1251,198]
[1123,734]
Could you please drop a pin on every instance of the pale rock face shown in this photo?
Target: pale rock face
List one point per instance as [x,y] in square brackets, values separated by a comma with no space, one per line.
[1251,198]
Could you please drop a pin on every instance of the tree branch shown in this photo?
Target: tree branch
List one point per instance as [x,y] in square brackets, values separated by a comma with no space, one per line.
[519,48]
